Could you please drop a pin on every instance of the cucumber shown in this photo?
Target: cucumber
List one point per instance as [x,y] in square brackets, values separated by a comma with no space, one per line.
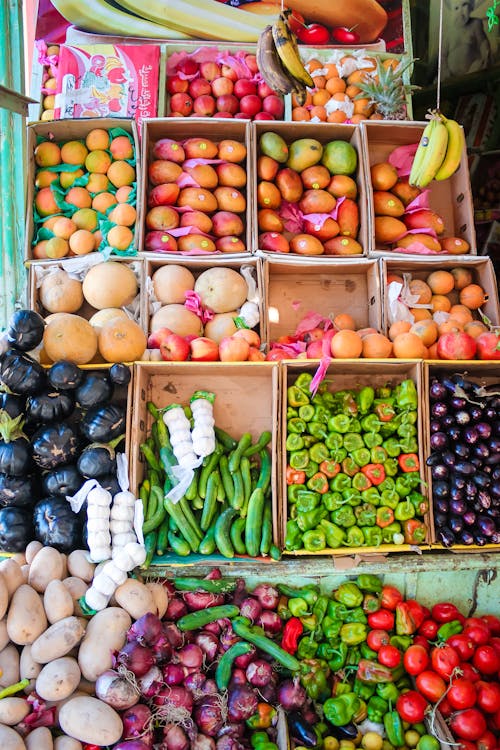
[210,504]
[237,529]
[222,532]
[254,519]
[201,617]
[225,665]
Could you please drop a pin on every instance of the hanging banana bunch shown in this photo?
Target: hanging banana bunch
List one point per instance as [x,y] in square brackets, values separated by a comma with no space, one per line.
[439,151]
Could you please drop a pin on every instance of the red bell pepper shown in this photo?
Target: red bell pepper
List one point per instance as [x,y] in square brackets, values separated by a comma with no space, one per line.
[408,462]
[414,531]
[329,468]
[385,516]
[293,476]
[417,612]
[291,633]
[374,472]
[405,624]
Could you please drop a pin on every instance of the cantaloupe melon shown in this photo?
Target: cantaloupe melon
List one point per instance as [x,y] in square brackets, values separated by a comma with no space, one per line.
[70,337]
[122,340]
[221,289]
[101,317]
[110,284]
[178,319]
[170,283]
[60,293]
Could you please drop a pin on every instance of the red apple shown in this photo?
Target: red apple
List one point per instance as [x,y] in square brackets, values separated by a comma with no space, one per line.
[174,348]
[204,105]
[199,87]
[251,62]
[264,90]
[228,72]
[158,337]
[263,116]
[209,70]
[227,103]
[274,105]
[249,335]
[243,87]
[233,349]
[276,354]
[181,103]
[204,349]
[222,86]
[242,116]
[250,104]
[188,66]
[315,349]
[176,85]
[223,115]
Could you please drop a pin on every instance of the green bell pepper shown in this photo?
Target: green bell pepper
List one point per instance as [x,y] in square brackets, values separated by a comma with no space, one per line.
[404,510]
[387,484]
[352,497]
[311,469]
[402,642]
[378,454]
[390,499]
[298,606]
[296,425]
[370,423]
[372,439]
[338,455]
[326,651]
[361,456]
[366,514]
[317,430]
[364,399]
[392,447]
[319,452]
[348,403]
[344,517]
[377,707]
[448,629]
[339,657]
[294,442]
[309,440]
[366,651]
[371,495]
[391,467]
[308,521]
[350,467]
[303,381]
[293,538]
[356,615]
[419,502]
[334,441]
[307,647]
[369,582]
[307,500]
[353,441]
[355,536]
[340,483]
[403,486]
[306,412]
[352,633]
[331,627]
[372,671]
[314,680]
[292,492]
[389,531]
[394,728]
[299,459]
[372,536]
[409,445]
[388,691]
[296,397]
[363,690]
[321,414]
[339,423]
[371,603]
[407,431]
[318,483]
[333,501]
[309,622]
[336,610]
[406,395]
[341,709]
[314,540]
[291,413]
[309,593]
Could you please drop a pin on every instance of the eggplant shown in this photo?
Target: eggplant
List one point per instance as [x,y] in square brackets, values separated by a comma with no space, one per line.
[440,490]
[481,479]
[486,525]
[475,413]
[441,504]
[54,445]
[120,374]
[471,435]
[56,525]
[438,441]
[470,489]
[16,529]
[461,450]
[458,506]
[433,460]
[301,730]
[435,425]
[13,405]
[446,536]
[447,421]
[439,472]
[345,732]
[49,407]
[458,482]
[484,429]
[96,461]
[465,467]
[466,537]
[21,373]
[439,409]
[440,519]
[103,423]
[462,417]
[95,389]
[456,524]
[457,402]
[454,433]
[110,483]
[64,481]
[481,450]
[17,491]
[448,458]
[25,330]
[15,456]
[65,376]
[437,391]
[469,518]
[480,539]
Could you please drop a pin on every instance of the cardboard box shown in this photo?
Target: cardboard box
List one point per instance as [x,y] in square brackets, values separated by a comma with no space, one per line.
[246,401]
[419,268]
[324,133]
[352,374]
[294,288]
[214,129]
[485,373]
[153,261]
[67,130]
[451,198]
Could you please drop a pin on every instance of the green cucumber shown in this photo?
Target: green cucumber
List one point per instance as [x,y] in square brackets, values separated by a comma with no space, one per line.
[225,665]
[222,532]
[201,617]
[236,535]
[254,519]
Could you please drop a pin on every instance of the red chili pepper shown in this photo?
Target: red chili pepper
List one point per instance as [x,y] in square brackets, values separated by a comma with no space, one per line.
[374,472]
[408,462]
[293,476]
[291,634]
[329,468]
[405,624]
[444,612]
[391,596]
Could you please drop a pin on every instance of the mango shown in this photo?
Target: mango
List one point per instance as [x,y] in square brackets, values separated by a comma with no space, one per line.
[425,219]
[455,245]
[269,220]
[388,229]
[267,168]
[343,246]
[230,199]
[325,231]
[424,239]
[273,145]
[195,242]
[405,192]
[348,218]
[306,244]
[198,199]
[339,157]
[274,242]
[317,177]
[230,244]
[387,204]
[289,184]
[268,195]
[317,201]
[304,153]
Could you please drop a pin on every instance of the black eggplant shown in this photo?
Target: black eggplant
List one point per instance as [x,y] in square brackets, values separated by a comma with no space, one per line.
[65,376]
[103,423]
[56,525]
[120,374]
[301,730]
[96,389]
[54,445]
[21,374]
[16,491]
[63,481]
[15,448]
[345,732]
[437,391]
[13,405]
[16,529]
[49,407]
[110,483]
[446,536]
[96,461]
[25,330]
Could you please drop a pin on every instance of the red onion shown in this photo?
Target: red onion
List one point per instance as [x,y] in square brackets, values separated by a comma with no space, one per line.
[250,608]
[208,643]
[213,627]
[171,590]
[202,742]
[146,630]
[133,745]
[151,683]
[173,635]
[196,600]
[174,674]
[174,738]
[238,677]
[176,609]
[208,716]
[214,575]
[268,692]
[242,703]
[135,721]
[227,742]
[239,593]
[178,697]
[223,623]
[309,715]
[195,681]
[244,660]
[235,730]
[162,650]
[291,695]
[270,621]
[190,656]
[136,658]
[227,638]
[115,690]
[259,672]
[209,687]
[267,595]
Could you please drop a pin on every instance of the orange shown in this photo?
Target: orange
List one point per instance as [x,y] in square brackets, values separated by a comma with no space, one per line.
[335,85]
[427,330]
[319,82]
[408,346]
[475,328]
[400,326]
[473,296]
[352,91]
[461,313]
[120,237]
[347,344]
[422,290]
[337,116]
[313,64]
[440,302]
[363,107]
[331,70]
[376,346]
[462,276]
[344,321]
[308,101]
[441,282]
[450,325]
[356,77]
[82,242]
[300,114]
[357,118]
[318,111]
[320,97]
[420,313]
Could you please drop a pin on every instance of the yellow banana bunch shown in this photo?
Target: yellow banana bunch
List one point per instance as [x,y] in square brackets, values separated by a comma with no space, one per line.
[288,51]
[430,153]
[456,143]
[271,68]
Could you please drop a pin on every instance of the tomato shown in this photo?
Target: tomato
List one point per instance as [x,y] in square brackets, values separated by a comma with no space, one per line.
[493,623]
[467,745]
[463,644]
[488,696]
[429,629]
[411,706]
[391,596]
[431,685]
[377,638]
[419,640]
[389,656]
[487,741]
[416,611]
[313,34]
[469,724]
[495,642]
[469,672]
[444,660]
[462,693]
[486,660]
[445,708]
[477,630]
[343,35]
[444,612]
[416,659]
[381,620]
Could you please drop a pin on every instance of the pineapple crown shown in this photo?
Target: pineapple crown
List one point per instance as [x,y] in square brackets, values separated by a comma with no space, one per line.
[387,90]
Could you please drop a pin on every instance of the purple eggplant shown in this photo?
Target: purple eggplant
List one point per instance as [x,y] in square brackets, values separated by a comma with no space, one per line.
[456,524]
[458,481]
[470,488]
[441,504]
[466,537]
[481,450]
[484,429]
[457,402]
[437,391]
[457,505]
[461,450]
[446,536]
[447,421]
[469,518]
[435,425]
[486,525]
[433,460]
[439,409]
[439,441]
[448,458]
[462,417]
[471,435]
[439,472]
[440,490]
[481,479]
[476,413]
[465,467]
[440,519]
[454,432]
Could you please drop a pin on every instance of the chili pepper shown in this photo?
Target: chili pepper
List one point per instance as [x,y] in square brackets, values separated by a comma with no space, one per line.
[291,413]
[448,629]
[363,690]
[296,397]
[314,540]
[306,413]
[304,381]
[374,472]
[320,607]
[291,633]
[294,442]
[405,624]
[308,521]
[339,423]
[418,612]
[353,633]
[319,483]
[361,456]
[394,728]
[364,398]
[365,650]
[339,454]
[308,593]
[336,610]
[420,503]
[329,468]
[391,466]
[344,517]
[334,441]
[341,709]
[369,582]
[409,445]
[372,536]
[356,614]
[408,462]
[311,469]
[404,510]
[385,411]
[307,500]
[355,536]
[309,440]
[390,499]
[385,516]
[330,627]
[307,647]
[321,414]
[294,476]
[292,492]
[293,538]
[376,708]
[333,501]
[389,531]
[372,671]
[371,495]
[317,430]
[414,531]
[371,602]
[388,691]
[406,395]
[349,405]
[372,439]
[340,482]
[366,514]
[326,651]
[263,718]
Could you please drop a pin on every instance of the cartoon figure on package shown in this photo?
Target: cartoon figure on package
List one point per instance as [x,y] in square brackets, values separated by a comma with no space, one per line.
[466,47]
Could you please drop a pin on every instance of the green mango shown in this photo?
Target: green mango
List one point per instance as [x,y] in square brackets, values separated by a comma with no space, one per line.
[273,145]
[339,157]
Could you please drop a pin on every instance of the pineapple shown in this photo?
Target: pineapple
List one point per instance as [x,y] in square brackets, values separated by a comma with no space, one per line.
[386,90]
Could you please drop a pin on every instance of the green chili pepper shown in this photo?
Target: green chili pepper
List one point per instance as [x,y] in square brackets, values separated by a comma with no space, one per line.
[339,454]
[372,671]
[348,594]
[311,469]
[307,500]
[448,629]
[308,521]
[309,622]
[366,514]
[298,606]
[309,440]
[339,657]
[299,459]
[339,423]
[366,651]
[394,728]
[369,582]
[332,500]
[401,641]
[336,610]
[389,531]
[344,517]
[363,690]
[355,536]
[371,603]
[356,615]
[308,593]
[294,442]
[371,495]
[387,689]
[307,647]
[319,608]
[365,398]
[315,682]
[334,534]
[353,441]
[406,395]
[353,633]
[331,628]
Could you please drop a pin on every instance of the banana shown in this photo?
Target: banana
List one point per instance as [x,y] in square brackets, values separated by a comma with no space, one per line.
[287,48]
[270,66]
[100,17]
[203,19]
[456,143]
[430,153]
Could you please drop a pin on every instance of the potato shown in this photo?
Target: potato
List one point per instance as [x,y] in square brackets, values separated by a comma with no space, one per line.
[135,598]
[4,596]
[4,636]
[64,560]
[12,573]
[39,739]
[57,640]
[46,567]
[20,558]
[77,588]
[57,601]
[29,669]
[25,570]
[106,632]
[160,597]
[90,720]
[26,618]
[10,739]
[58,679]
[66,743]
[79,566]
[85,686]
[32,549]
[13,710]
[9,666]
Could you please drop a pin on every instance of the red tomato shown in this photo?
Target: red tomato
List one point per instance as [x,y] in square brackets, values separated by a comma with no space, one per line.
[431,685]
[469,672]
[466,744]
[487,741]
[391,596]
[444,612]
[416,611]
[477,630]
[488,696]
[462,693]
[496,720]
[493,623]
[381,620]
[389,656]
[426,611]
[444,660]
[469,724]
[486,660]
[445,708]
[313,34]
[419,640]
[429,629]
[416,659]
[377,638]
[463,644]
[411,706]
